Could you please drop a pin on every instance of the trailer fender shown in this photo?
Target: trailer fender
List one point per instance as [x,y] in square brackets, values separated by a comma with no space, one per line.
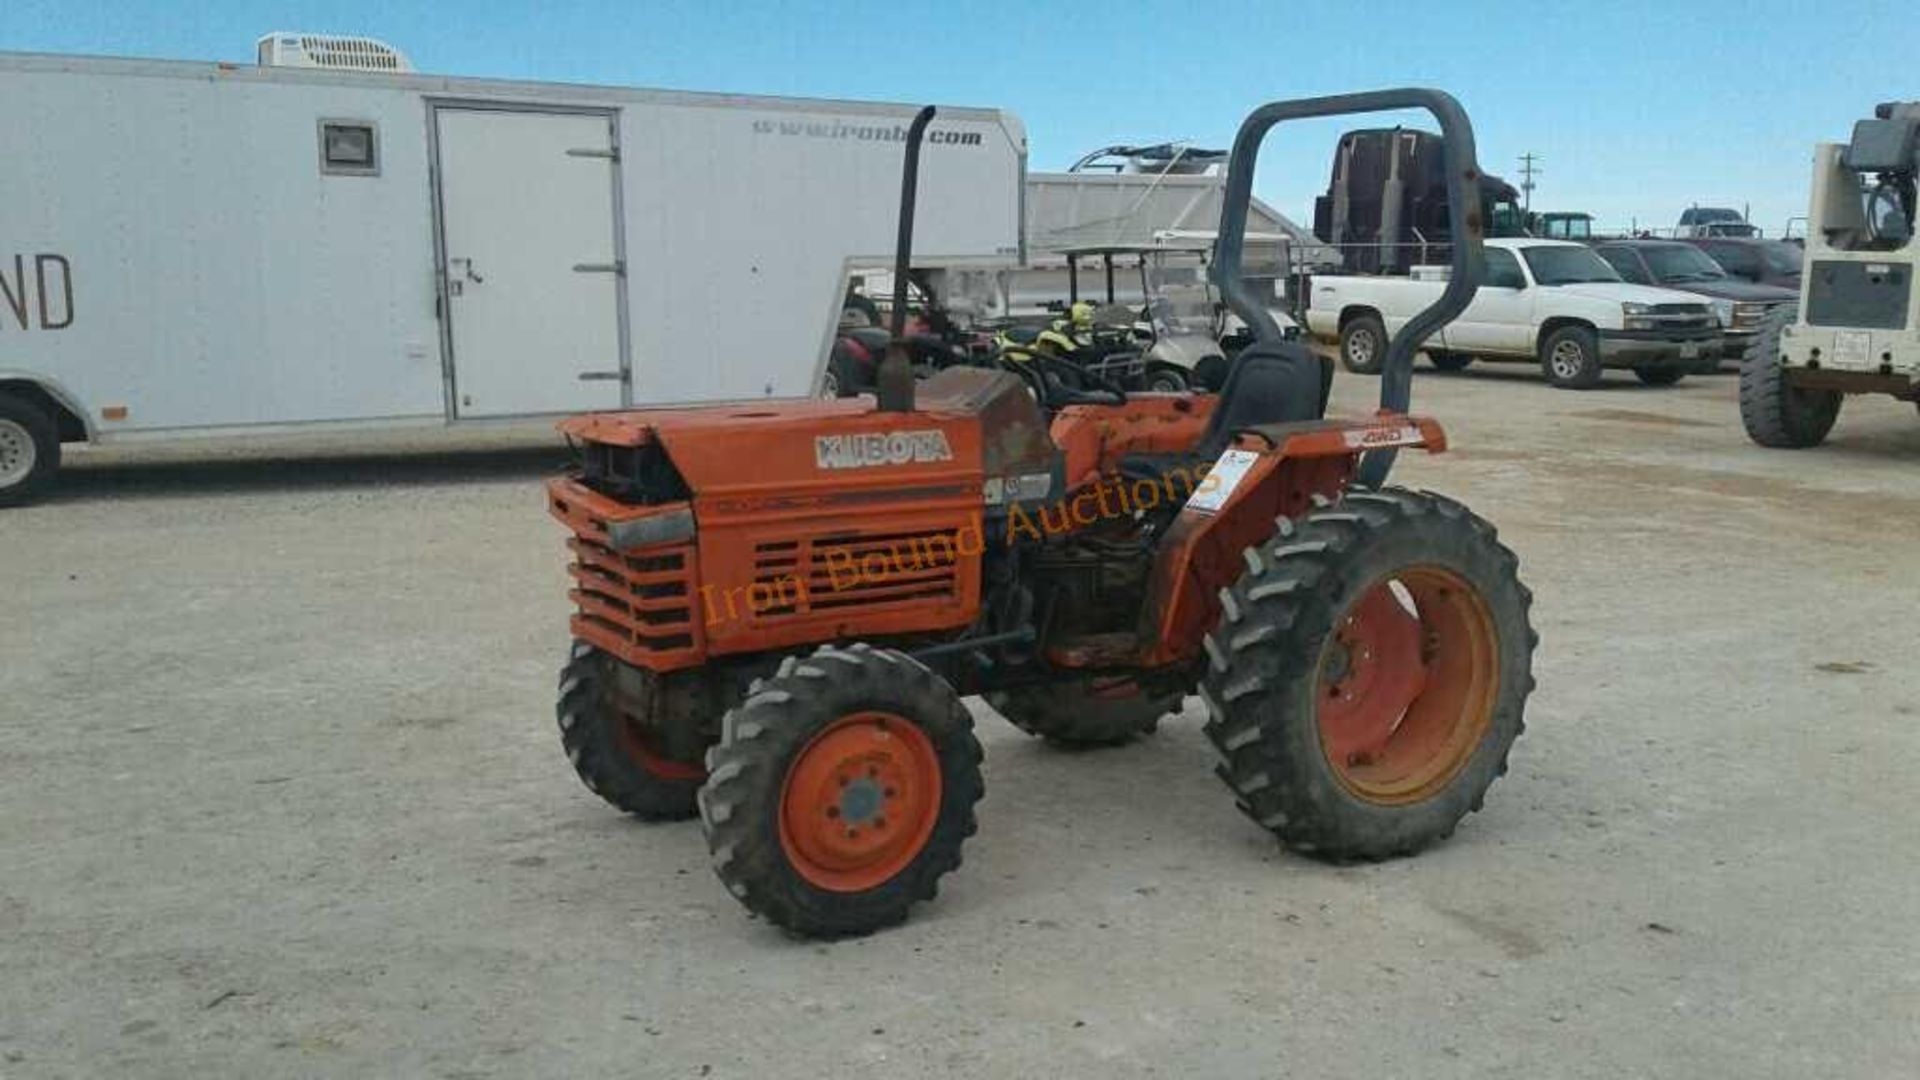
[59,402]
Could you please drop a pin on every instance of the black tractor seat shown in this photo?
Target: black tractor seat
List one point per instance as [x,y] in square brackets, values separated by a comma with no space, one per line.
[1269,383]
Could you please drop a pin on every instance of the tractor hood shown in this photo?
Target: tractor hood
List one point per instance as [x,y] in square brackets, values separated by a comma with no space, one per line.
[975,437]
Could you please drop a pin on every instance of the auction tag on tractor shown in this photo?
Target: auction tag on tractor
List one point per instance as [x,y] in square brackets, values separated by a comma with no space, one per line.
[1851,348]
[1217,486]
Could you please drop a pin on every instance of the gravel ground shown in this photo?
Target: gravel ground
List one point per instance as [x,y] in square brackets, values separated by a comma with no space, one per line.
[280,795]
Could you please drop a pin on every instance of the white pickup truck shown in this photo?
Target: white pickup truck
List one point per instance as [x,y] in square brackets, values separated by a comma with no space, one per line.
[1547,300]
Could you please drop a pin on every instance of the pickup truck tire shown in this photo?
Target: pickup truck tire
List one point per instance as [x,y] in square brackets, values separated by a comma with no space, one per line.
[1660,376]
[1570,358]
[1363,344]
[29,451]
[1449,361]
[1774,412]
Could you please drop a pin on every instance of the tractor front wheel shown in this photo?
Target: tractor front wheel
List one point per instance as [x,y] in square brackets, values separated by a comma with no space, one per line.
[617,741]
[841,791]
[1084,712]
[1368,674]
[1774,411]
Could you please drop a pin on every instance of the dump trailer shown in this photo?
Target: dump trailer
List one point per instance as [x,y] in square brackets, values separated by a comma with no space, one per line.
[328,239]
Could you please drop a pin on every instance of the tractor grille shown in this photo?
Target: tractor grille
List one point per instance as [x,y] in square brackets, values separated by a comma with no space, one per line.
[836,572]
[644,601]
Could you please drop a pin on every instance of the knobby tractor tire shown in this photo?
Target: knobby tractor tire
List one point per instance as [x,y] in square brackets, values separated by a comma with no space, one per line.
[1317,656]
[1075,714]
[841,791]
[1774,412]
[613,751]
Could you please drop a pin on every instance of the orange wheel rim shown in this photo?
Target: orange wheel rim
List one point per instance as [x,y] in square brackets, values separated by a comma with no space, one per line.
[1407,685]
[860,801]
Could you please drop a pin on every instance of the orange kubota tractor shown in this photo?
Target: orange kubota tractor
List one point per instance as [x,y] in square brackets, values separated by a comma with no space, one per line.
[780,606]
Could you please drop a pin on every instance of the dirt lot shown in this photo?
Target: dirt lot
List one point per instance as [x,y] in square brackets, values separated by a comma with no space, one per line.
[280,795]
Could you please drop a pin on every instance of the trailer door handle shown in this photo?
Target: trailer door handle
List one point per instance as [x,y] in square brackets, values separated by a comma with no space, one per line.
[603,376]
[617,268]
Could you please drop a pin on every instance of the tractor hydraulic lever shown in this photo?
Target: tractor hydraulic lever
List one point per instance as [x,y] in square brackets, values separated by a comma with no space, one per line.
[1464,223]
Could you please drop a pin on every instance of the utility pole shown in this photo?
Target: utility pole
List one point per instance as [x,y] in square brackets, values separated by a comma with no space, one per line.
[1528,170]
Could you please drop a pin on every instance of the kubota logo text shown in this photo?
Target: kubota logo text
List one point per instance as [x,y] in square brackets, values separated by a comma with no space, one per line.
[880,448]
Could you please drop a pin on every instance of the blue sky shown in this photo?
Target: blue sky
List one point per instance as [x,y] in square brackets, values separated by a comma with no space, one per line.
[1637,109]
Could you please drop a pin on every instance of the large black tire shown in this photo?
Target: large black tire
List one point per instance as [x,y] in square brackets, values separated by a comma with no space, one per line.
[1282,634]
[1071,714]
[1660,376]
[770,744]
[29,451]
[1363,344]
[1570,358]
[618,755]
[1774,412]
[1449,361]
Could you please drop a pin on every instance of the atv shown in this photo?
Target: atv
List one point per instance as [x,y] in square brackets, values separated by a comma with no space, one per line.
[779,606]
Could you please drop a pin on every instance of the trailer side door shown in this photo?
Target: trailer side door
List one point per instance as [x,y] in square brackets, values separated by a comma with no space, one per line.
[531,261]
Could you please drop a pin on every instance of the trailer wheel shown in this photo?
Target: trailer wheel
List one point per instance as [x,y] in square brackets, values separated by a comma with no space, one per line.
[1774,411]
[618,750]
[1083,712]
[841,791]
[29,451]
[1368,675]
[1363,344]
[1659,376]
[1570,358]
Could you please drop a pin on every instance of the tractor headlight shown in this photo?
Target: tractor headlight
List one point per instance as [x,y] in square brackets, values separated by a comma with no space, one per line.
[671,527]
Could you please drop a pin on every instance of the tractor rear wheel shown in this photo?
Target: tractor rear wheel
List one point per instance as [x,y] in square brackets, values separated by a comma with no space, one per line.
[1368,674]
[1083,712]
[616,744]
[841,791]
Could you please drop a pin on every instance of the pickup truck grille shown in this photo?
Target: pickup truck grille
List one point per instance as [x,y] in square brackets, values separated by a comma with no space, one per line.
[1682,316]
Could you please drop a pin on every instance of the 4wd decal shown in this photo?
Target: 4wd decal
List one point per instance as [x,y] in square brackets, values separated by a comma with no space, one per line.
[880,448]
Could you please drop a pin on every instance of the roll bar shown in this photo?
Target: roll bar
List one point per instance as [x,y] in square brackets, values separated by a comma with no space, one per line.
[1463,212]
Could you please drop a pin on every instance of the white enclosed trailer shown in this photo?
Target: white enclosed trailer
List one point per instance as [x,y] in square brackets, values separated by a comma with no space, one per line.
[203,248]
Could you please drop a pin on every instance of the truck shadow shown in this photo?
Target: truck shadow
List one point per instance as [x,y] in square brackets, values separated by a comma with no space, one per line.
[84,480]
[1516,374]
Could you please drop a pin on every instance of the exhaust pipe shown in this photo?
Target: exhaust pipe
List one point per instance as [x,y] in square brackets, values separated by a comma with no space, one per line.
[896,372]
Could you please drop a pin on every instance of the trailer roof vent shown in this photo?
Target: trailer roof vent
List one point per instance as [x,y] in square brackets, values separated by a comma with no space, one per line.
[330,52]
